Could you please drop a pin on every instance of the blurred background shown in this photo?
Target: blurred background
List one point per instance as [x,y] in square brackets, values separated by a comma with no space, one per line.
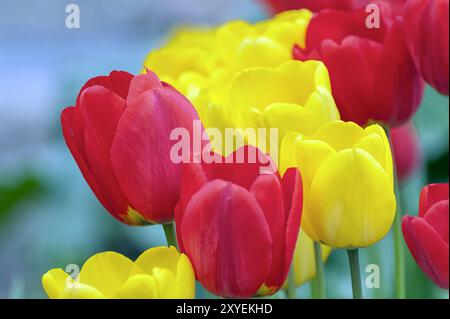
[48,215]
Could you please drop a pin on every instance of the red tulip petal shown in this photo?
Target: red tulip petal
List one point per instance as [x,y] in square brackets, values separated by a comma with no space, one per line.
[399,91]
[241,167]
[101,110]
[267,191]
[66,122]
[293,190]
[430,195]
[141,152]
[437,217]
[116,81]
[142,83]
[359,79]
[193,178]
[227,239]
[427,248]
[336,25]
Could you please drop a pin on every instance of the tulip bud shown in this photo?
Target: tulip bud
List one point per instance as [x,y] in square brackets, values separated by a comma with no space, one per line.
[119,134]
[348,183]
[239,227]
[426,25]
[373,77]
[159,272]
[427,234]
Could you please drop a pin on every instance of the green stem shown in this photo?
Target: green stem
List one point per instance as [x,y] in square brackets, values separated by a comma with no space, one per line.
[320,273]
[398,249]
[171,237]
[353,260]
[398,237]
[291,290]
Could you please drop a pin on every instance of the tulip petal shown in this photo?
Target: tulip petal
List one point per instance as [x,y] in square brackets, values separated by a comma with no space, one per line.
[106,272]
[437,217]
[101,110]
[156,257]
[117,82]
[227,239]
[54,282]
[141,151]
[428,249]
[67,128]
[81,291]
[351,203]
[138,287]
[293,190]
[349,134]
[185,281]
[430,195]
[267,191]
[142,83]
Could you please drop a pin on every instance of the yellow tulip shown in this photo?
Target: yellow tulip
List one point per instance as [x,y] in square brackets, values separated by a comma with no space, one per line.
[159,272]
[349,199]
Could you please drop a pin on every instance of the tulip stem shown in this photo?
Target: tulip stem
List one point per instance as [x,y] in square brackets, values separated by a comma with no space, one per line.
[353,260]
[398,248]
[320,273]
[291,291]
[171,237]
[397,234]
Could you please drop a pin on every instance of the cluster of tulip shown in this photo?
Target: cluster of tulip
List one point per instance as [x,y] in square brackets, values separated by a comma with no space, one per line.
[323,80]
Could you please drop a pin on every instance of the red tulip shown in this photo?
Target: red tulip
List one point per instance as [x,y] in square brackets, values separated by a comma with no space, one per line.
[318,5]
[373,77]
[407,150]
[427,33]
[427,234]
[239,227]
[119,134]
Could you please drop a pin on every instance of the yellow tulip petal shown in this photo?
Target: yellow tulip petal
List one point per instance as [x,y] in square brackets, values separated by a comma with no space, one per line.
[260,87]
[106,272]
[166,282]
[138,287]
[351,203]
[289,117]
[321,106]
[55,281]
[81,291]
[185,279]
[388,162]
[260,52]
[339,135]
[287,151]
[156,257]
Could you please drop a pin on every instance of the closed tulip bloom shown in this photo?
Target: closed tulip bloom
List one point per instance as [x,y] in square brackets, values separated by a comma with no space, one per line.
[407,150]
[239,227]
[426,26]
[348,183]
[373,76]
[159,272]
[119,134]
[427,234]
